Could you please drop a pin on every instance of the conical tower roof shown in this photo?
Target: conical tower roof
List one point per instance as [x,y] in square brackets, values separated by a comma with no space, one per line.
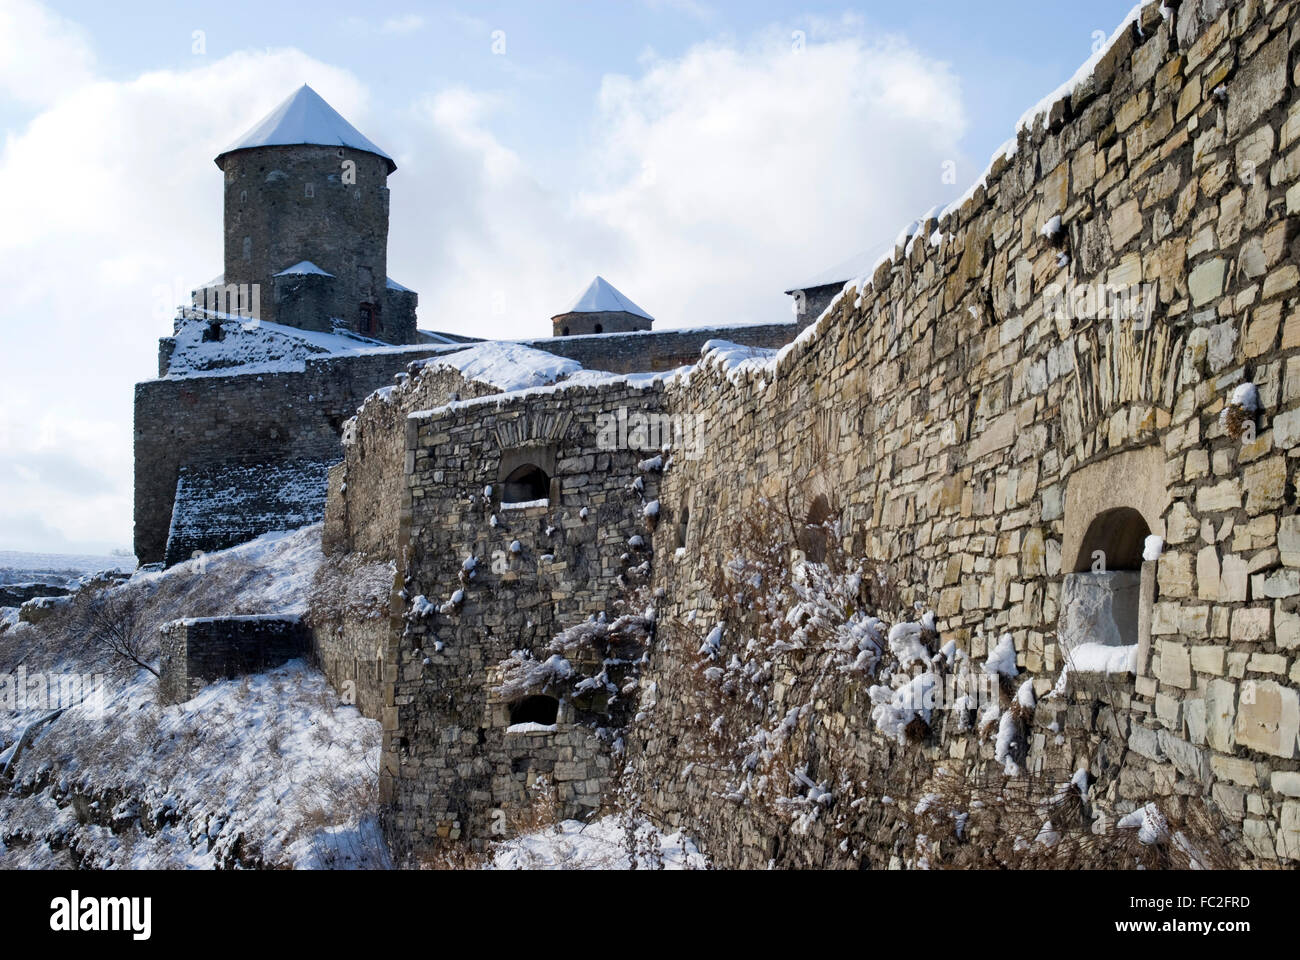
[305,118]
[600,297]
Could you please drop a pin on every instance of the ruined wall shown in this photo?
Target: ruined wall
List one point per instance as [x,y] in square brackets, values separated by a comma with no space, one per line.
[947,411]
[450,760]
[350,608]
[198,651]
[374,457]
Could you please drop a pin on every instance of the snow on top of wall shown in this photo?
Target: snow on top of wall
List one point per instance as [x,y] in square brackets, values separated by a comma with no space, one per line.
[580,380]
[735,360]
[394,285]
[258,346]
[601,296]
[508,366]
[305,118]
[1030,116]
[303,267]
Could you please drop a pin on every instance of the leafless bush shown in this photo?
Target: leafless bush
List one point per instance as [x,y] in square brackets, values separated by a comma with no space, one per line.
[116,623]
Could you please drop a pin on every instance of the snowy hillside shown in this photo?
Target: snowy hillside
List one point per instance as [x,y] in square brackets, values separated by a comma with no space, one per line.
[268,770]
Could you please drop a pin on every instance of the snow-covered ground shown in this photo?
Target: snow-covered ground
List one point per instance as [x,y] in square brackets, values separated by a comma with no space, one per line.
[265,770]
[599,845]
[17,566]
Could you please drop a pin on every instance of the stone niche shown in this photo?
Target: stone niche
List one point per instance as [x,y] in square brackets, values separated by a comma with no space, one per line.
[1100,608]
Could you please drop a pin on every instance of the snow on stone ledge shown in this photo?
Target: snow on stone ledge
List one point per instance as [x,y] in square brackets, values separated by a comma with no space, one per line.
[526,504]
[1097,658]
[736,360]
[531,726]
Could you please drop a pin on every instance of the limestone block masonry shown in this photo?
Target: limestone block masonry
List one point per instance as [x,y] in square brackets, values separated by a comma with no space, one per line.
[940,413]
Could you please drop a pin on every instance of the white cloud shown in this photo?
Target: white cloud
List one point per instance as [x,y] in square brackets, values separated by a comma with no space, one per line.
[408,23]
[392,26]
[119,203]
[710,182]
[706,184]
[42,55]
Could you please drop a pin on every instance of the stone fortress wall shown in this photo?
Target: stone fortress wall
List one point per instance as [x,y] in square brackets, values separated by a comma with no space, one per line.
[975,430]
[975,420]
[980,442]
[293,415]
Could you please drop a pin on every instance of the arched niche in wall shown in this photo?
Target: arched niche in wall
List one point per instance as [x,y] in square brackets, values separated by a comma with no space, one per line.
[1108,590]
[526,474]
[683,524]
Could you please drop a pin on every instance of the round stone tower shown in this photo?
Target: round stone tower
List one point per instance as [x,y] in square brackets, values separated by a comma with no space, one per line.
[306,221]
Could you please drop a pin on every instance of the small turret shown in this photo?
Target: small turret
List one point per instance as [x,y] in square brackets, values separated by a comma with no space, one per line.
[600,309]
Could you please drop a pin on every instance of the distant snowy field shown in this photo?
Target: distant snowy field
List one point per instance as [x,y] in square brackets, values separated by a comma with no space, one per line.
[19,567]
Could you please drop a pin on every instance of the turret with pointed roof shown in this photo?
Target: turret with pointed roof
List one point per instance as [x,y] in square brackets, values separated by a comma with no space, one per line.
[601,308]
[305,186]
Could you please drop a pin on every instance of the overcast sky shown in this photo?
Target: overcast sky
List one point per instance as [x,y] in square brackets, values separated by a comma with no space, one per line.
[702,156]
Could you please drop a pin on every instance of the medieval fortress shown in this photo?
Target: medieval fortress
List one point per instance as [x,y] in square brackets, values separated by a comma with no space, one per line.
[1095,497]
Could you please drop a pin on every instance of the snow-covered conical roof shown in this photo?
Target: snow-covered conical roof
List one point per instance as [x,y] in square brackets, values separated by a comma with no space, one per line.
[305,118]
[601,297]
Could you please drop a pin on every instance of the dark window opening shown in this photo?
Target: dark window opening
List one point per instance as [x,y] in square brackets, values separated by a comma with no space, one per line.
[566,332]
[525,484]
[600,328]
[369,319]
[683,523]
[535,709]
[1119,535]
